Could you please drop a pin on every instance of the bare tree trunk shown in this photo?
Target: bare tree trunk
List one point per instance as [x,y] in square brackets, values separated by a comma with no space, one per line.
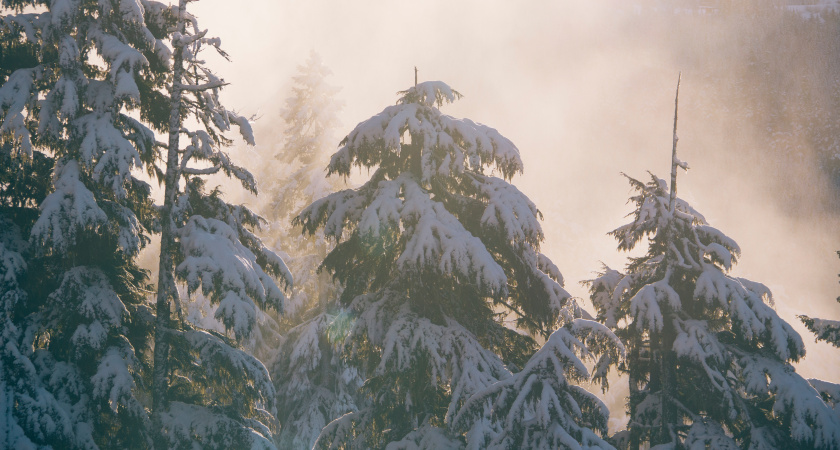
[166,276]
[666,361]
[633,362]
[674,161]
[667,369]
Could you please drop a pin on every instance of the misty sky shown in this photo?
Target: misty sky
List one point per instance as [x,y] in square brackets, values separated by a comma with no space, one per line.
[581,99]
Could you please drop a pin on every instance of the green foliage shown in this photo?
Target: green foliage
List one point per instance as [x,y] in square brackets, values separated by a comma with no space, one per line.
[690,327]
[434,257]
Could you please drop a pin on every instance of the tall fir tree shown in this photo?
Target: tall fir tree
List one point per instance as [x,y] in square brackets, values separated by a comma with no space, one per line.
[206,390]
[295,176]
[435,255]
[75,348]
[314,383]
[709,360]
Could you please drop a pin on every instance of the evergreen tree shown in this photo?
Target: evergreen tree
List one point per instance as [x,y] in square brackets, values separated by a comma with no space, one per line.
[75,344]
[708,357]
[434,254]
[77,365]
[296,177]
[207,391]
[314,384]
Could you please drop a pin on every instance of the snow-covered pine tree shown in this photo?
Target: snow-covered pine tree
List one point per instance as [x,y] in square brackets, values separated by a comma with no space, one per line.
[708,357]
[314,384]
[207,391]
[295,177]
[75,333]
[434,255]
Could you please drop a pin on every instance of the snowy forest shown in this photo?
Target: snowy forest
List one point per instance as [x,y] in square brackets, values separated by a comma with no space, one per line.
[585,225]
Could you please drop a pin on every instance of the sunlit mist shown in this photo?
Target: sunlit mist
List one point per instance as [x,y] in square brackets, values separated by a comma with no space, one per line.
[586,91]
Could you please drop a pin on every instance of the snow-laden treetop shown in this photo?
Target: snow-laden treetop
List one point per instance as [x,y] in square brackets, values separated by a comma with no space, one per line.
[433,205]
[447,146]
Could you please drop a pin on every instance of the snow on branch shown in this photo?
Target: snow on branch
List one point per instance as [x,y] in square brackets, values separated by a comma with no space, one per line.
[606,296]
[652,214]
[215,84]
[203,147]
[811,423]
[601,345]
[26,23]
[106,149]
[87,292]
[335,211]
[448,146]
[181,40]
[433,237]
[244,125]
[114,380]
[454,355]
[118,54]
[12,263]
[437,238]
[15,95]
[746,304]
[63,11]
[709,434]
[538,407]
[194,426]
[645,305]
[219,356]
[826,330]
[509,210]
[227,272]
[430,93]
[69,208]
[340,431]
[426,437]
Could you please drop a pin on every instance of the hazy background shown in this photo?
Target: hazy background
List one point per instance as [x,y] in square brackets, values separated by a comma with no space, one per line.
[586,91]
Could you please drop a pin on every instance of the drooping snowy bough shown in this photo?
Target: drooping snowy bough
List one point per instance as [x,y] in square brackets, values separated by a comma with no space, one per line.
[435,253]
[708,357]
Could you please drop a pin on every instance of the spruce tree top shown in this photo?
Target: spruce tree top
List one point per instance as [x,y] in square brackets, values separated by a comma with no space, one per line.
[727,340]
[435,253]
[431,187]
[447,146]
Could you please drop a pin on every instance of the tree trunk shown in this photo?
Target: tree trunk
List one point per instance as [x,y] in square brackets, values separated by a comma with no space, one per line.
[166,270]
[667,369]
[633,362]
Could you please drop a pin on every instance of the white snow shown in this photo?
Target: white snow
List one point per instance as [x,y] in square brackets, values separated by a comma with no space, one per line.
[465,144]
[227,272]
[106,150]
[15,95]
[538,407]
[70,207]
